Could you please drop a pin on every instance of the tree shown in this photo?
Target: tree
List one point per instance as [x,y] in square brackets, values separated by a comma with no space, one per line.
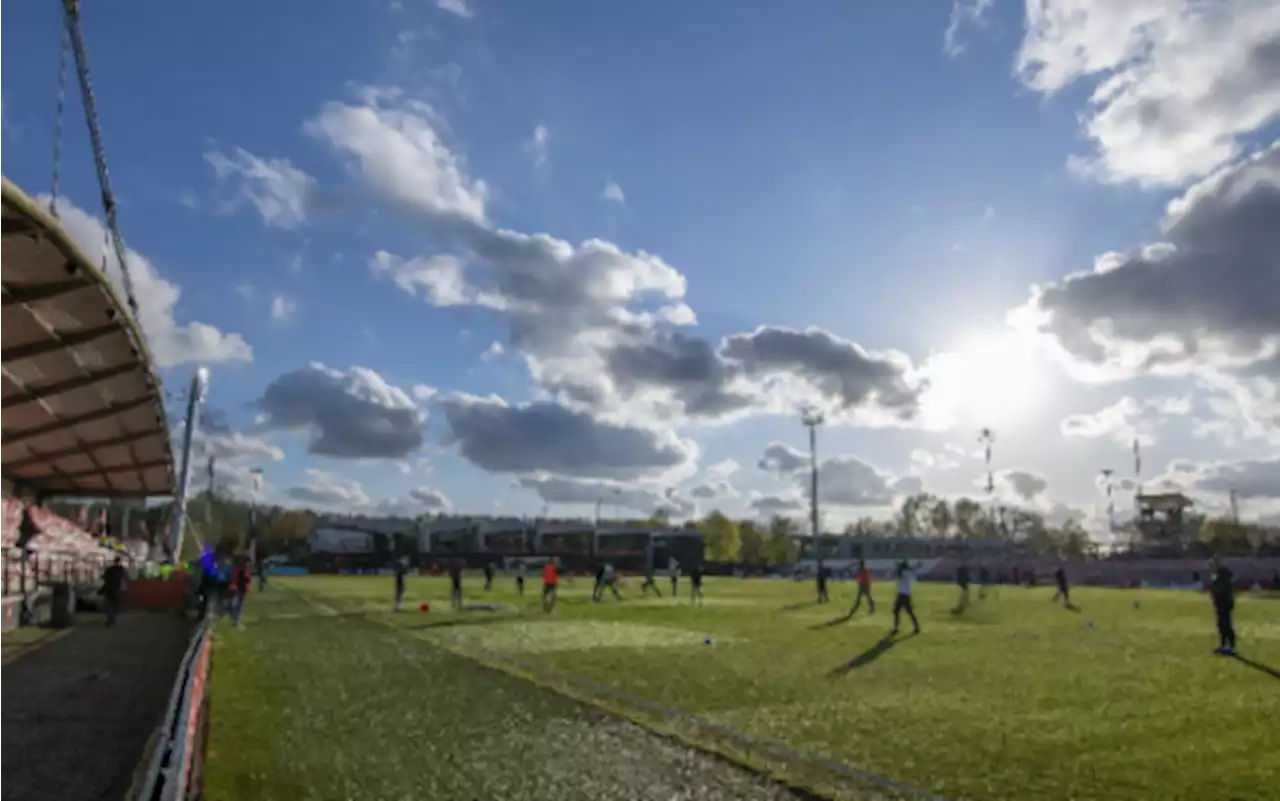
[1226,536]
[782,547]
[721,537]
[752,543]
[966,515]
[940,516]
[660,518]
[914,514]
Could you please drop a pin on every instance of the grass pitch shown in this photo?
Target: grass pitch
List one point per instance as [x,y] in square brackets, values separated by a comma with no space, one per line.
[328,694]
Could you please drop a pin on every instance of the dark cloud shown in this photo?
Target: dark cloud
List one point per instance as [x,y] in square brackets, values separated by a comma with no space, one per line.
[779,458]
[841,371]
[1022,484]
[687,366]
[353,414]
[429,498]
[545,436]
[1207,299]
[1250,478]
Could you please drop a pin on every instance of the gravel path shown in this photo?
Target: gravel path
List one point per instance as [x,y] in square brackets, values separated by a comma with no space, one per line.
[78,712]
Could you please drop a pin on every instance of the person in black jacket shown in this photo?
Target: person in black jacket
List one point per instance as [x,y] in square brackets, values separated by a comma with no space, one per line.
[1222,590]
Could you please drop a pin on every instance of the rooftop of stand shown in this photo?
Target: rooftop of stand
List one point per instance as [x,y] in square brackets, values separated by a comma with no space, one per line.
[83,409]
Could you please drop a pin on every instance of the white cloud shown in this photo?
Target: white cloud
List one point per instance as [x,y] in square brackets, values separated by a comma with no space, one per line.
[539,149]
[246,290]
[460,8]
[613,193]
[721,470]
[398,151]
[278,190]
[283,308]
[423,392]
[170,342]
[1179,83]
[988,214]
[964,14]
[1123,421]
[493,352]
[236,446]
[330,490]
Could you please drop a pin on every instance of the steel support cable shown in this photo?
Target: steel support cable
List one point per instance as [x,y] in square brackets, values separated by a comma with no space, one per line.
[71,10]
[57,120]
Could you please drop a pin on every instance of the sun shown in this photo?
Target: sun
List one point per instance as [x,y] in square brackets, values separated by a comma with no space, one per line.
[986,382]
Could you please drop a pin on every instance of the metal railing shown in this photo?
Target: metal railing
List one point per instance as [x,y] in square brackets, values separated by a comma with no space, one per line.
[173,767]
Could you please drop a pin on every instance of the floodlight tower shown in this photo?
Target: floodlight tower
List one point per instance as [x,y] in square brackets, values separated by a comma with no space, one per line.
[195,396]
[811,420]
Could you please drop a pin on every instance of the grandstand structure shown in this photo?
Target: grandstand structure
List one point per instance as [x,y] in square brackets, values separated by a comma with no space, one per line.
[83,412]
[83,417]
[579,544]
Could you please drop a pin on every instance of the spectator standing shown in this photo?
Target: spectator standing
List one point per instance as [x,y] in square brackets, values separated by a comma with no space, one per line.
[114,580]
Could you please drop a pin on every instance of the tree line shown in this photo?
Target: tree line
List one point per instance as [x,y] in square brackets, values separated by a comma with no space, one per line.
[218,517]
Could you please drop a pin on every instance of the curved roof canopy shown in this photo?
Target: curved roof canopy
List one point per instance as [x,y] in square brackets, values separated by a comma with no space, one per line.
[83,413]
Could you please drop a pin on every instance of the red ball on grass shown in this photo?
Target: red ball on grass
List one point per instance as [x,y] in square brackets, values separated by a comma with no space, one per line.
[424,607]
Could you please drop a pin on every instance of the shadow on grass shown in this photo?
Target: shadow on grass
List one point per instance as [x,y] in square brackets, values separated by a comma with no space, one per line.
[1267,669]
[795,607]
[868,656]
[835,621]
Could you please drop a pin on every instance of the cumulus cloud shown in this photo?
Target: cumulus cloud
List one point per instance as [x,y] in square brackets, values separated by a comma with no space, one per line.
[1249,478]
[780,458]
[1022,485]
[964,14]
[1201,301]
[354,414]
[429,498]
[927,460]
[171,343]
[280,192]
[1123,421]
[842,480]
[236,446]
[547,436]
[770,505]
[396,149]
[587,492]
[1178,83]
[593,322]
[328,489]
[718,488]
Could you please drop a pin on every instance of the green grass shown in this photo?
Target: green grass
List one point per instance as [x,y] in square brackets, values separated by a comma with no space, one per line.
[1016,699]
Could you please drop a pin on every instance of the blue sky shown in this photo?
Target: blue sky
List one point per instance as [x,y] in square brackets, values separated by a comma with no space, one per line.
[898,176]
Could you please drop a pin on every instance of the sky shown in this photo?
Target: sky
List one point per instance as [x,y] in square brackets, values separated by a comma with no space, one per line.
[506,258]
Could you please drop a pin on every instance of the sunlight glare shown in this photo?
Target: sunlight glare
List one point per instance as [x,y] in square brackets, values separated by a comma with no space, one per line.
[987,382]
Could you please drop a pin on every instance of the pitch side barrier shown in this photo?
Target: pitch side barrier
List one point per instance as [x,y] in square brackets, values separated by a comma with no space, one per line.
[173,768]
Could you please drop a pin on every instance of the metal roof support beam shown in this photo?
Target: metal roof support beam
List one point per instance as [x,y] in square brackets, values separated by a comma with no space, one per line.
[34,293]
[86,448]
[70,385]
[55,345]
[72,422]
[123,468]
